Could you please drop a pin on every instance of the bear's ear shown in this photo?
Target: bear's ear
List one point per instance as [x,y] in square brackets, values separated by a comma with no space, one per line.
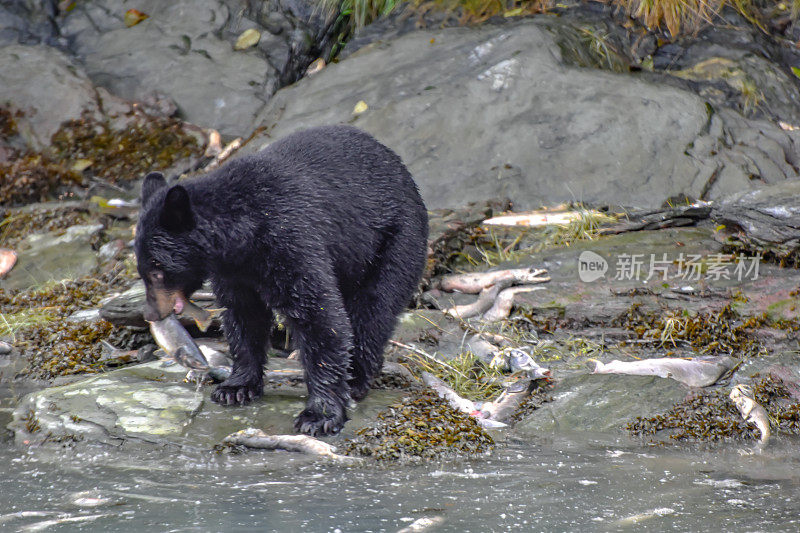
[176,215]
[152,182]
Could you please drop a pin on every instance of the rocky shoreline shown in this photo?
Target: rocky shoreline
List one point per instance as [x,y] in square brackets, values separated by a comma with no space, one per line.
[564,325]
[679,155]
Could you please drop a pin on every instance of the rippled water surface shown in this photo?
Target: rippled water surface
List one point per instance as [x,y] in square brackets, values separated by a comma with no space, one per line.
[555,483]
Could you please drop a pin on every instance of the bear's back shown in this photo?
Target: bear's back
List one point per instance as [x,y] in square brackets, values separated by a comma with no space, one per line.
[342,171]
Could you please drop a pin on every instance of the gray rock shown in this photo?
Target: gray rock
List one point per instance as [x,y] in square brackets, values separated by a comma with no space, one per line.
[769,216]
[110,408]
[55,255]
[294,33]
[601,403]
[49,88]
[184,51]
[149,403]
[493,112]
[178,52]
[28,22]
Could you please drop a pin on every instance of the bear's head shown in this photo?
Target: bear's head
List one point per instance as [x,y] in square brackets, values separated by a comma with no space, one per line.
[167,254]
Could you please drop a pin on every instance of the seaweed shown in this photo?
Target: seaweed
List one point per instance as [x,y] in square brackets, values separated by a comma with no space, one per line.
[32,177]
[723,332]
[711,416]
[16,226]
[420,428]
[118,155]
[54,345]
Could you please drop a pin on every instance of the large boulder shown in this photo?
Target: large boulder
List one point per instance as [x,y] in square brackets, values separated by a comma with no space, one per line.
[174,52]
[493,111]
[28,22]
[55,255]
[185,50]
[50,89]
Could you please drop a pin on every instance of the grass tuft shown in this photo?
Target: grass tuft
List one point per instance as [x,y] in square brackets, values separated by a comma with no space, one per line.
[466,374]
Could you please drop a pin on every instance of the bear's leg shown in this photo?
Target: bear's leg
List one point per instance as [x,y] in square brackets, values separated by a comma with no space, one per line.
[247,322]
[374,308]
[322,329]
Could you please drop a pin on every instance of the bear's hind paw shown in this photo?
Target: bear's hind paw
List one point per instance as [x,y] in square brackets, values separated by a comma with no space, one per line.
[236,394]
[315,423]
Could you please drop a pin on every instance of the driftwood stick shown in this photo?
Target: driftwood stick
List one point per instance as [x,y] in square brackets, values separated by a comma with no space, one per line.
[255,438]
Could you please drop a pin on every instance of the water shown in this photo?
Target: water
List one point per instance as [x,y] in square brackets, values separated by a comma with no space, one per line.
[554,483]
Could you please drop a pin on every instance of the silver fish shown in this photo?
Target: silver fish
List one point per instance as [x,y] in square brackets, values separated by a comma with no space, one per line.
[518,361]
[219,367]
[692,372]
[504,406]
[171,336]
[751,410]
[459,403]
[423,524]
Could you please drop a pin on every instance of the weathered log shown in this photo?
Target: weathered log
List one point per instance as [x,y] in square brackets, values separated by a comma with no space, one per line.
[255,438]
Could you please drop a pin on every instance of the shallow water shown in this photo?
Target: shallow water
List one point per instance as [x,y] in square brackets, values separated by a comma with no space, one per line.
[555,483]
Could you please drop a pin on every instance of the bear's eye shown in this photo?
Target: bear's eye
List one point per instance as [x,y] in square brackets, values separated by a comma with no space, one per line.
[157,276]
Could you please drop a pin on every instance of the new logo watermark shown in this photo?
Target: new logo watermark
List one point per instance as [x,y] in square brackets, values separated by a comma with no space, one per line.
[591,266]
[686,267]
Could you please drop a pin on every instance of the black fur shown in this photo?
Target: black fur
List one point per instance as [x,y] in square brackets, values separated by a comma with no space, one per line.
[325,226]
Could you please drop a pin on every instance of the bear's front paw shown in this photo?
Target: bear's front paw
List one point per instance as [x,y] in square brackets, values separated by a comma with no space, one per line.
[320,420]
[236,394]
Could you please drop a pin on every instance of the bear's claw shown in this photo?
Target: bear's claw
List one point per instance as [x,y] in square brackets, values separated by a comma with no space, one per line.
[315,423]
[235,394]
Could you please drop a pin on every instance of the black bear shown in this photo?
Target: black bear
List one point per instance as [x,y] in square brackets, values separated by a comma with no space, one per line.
[325,226]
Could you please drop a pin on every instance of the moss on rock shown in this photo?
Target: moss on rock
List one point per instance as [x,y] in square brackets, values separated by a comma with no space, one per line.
[53,345]
[16,226]
[712,416]
[421,428]
[123,154]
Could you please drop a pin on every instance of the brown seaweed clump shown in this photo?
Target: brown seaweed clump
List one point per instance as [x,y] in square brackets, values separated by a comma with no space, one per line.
[26,176]
[62,298]
[61,349]
[64,348]
[8,122]
[707,416]
[16,226]
[54,346]
[32,177]
[117,155]
[421,428]
[785,255]
[723,332]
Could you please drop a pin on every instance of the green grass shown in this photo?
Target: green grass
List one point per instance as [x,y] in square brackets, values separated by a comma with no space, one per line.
[359,13]
[586,227]
[11,323]
[466,374]
[678,17]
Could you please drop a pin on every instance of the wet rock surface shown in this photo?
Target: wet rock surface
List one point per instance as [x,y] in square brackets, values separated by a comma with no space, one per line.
[765,221]
[526,112]
[217,86]
[543,114]
[61,91]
